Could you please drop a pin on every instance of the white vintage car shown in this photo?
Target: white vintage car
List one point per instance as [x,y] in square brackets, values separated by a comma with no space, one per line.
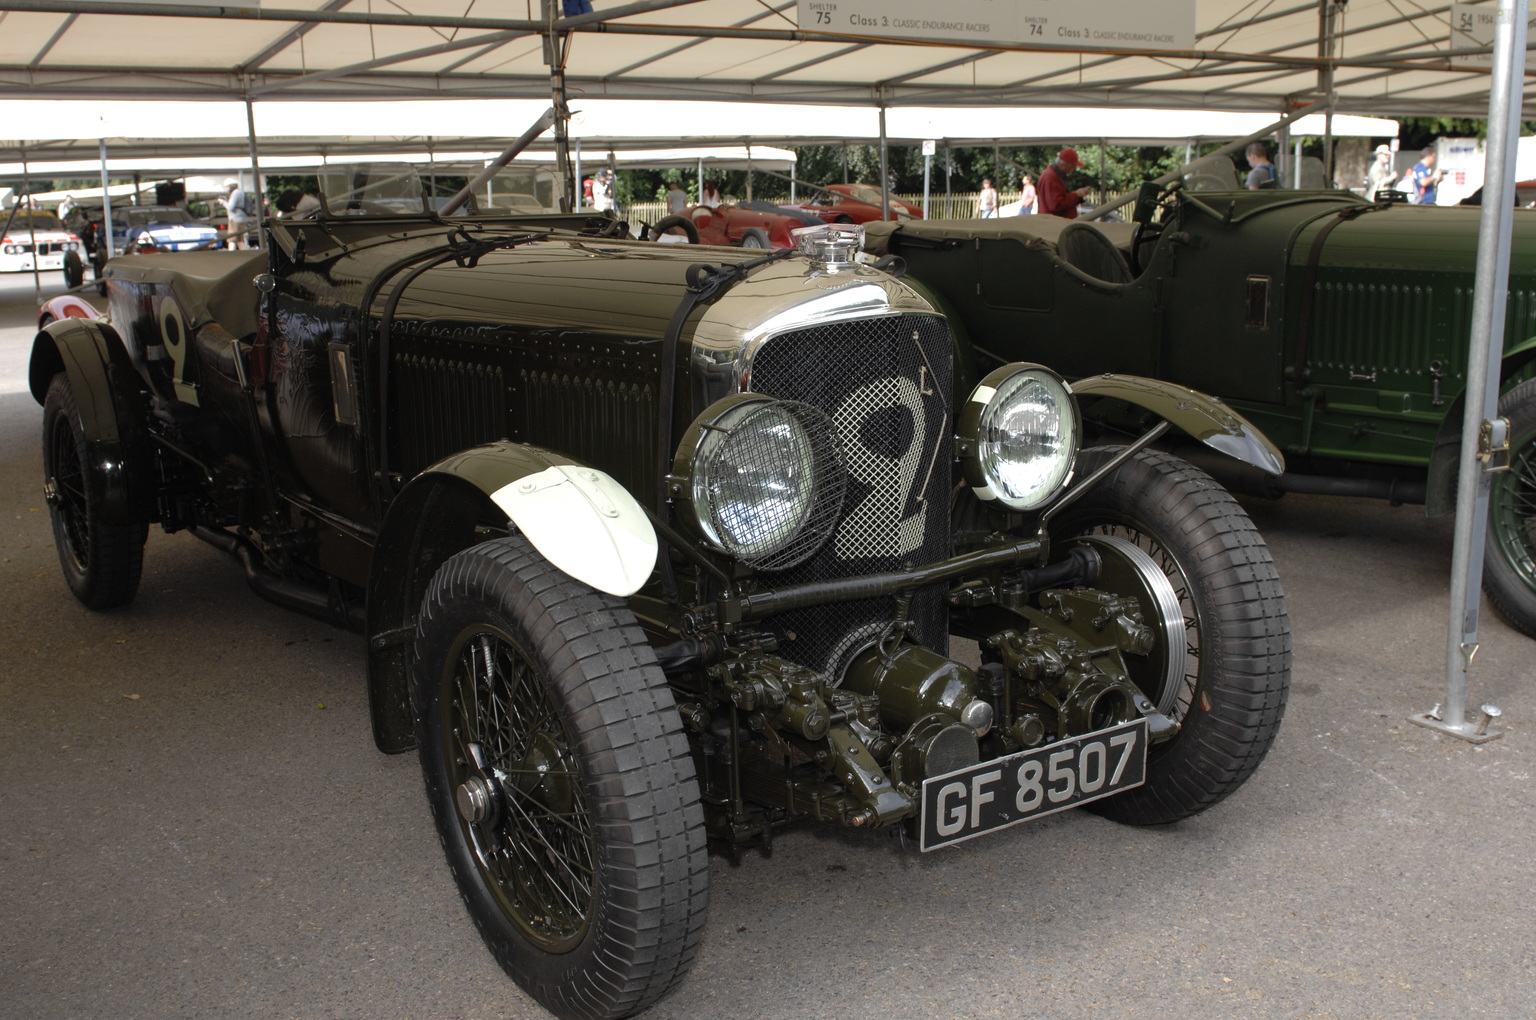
[35,235]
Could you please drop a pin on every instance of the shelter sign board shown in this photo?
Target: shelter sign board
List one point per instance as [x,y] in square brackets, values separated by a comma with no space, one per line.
[87,5]
[1080,25]
[1473,25]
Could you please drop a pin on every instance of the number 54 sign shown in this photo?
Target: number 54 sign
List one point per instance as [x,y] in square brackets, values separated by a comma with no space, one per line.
[1473,25]
[1085,24]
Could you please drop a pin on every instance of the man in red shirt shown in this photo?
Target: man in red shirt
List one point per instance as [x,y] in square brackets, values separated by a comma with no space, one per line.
[1054,197]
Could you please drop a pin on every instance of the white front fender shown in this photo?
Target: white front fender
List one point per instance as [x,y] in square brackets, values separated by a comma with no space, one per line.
[584,523]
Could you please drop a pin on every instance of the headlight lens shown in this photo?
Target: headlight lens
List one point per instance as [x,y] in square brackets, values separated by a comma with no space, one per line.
[766,479]
[1023,431]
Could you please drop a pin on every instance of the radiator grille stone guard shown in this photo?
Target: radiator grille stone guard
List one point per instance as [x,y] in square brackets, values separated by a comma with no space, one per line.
[887,383]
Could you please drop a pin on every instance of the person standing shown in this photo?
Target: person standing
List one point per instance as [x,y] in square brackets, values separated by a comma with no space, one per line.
[239,207]
[1028,197]
[677,198]
[602,190]
[710,198]
[986,202]
[1262,172]
[1053,196]
[1381,175]
[1426,179]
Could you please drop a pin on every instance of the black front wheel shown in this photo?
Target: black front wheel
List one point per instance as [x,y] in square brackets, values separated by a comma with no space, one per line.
[754,237]
[560,780]
[1509,557]
[102,558]
[1221,667]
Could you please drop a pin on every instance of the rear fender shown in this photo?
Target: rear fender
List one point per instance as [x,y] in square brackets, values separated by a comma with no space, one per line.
[577,517]
[1203,417]
[110,396]
[1440,489]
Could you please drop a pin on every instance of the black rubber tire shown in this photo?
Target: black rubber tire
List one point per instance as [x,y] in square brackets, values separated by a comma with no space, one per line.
[754,237]
[1509,557]
[670,223]
[102,561]
[587,695]
[1230,706]
[74,269]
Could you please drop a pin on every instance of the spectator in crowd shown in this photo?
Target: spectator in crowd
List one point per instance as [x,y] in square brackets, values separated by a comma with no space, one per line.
[240,208]
[1028,197]
[1261,173]
[1426,179]
[602,190]
[1381,175]
[710,199]
[1053,196]
[677,198]
[986,202]
[66,205]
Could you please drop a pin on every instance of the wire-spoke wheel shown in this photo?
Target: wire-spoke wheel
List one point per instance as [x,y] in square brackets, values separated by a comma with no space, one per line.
[1509,558]
[102,559]
[1221,668]
[560,781]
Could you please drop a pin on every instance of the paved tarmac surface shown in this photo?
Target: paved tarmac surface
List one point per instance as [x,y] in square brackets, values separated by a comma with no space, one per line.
[194,823]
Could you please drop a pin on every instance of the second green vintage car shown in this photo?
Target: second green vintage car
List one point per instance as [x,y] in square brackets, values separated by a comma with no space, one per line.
[1338,326]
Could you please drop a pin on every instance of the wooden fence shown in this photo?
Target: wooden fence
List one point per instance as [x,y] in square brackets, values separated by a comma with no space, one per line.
[960,205]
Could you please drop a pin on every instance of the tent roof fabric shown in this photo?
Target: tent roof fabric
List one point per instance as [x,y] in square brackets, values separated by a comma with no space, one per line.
[1390,58]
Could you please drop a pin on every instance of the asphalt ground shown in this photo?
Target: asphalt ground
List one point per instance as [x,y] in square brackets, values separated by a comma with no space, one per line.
[194,823]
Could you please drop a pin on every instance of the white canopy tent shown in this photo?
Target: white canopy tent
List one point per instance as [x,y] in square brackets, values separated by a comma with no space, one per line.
[183,136]
[1375,56]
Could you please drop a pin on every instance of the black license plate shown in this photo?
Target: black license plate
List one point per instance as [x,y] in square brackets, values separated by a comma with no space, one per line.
[1006,791]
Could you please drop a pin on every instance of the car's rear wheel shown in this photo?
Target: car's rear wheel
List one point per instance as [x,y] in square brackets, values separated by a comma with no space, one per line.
[74,269]
[560,780]
[754,237]
[1199,557]
[101,559]
[1509,558]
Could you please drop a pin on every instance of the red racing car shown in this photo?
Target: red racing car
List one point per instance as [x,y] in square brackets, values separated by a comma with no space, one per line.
[856,203]
[749,225]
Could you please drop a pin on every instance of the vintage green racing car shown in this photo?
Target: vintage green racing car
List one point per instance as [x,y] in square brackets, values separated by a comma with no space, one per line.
[655,545]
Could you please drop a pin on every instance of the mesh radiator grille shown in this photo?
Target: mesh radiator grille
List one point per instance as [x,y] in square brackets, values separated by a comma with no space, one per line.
[887,383]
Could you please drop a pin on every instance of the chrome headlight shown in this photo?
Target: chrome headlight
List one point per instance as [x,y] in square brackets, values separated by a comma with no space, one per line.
[1019,435]
[765,479]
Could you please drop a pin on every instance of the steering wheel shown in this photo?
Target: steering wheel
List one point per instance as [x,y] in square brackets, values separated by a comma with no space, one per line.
[1156,202]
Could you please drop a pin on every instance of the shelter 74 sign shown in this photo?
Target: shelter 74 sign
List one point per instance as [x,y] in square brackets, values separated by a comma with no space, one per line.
[1082,24]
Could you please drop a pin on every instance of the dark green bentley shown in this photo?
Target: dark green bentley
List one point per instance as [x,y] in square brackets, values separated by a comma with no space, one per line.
[654,546]
[1338,326]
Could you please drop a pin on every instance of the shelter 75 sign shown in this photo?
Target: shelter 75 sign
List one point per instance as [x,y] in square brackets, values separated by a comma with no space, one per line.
[1082,24]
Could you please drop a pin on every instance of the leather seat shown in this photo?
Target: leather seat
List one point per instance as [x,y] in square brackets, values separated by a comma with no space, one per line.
[1083,247]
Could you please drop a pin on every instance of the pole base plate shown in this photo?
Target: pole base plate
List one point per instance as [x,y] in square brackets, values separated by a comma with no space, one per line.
[1466,731]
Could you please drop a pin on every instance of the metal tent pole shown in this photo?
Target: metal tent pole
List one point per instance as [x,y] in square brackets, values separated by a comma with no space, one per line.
[885,177]
[1484,436]
[1326,45]
[37,253]
[105,243]
[261,223]
[577,195]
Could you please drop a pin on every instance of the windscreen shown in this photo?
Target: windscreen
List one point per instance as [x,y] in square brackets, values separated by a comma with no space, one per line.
[34,221]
